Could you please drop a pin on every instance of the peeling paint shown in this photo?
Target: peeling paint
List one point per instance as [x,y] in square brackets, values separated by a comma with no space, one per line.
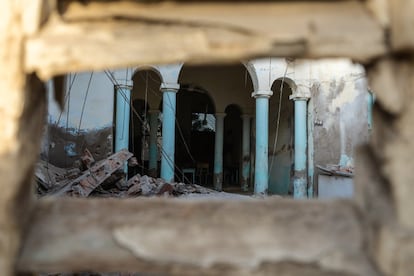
[344,94]
[311,165]
[245,173]
[341,104]
[299,187]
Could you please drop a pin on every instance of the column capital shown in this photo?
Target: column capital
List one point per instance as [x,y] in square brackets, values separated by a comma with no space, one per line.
[170,87]
[299,97]
[262,94]
[301,93]
[123,86]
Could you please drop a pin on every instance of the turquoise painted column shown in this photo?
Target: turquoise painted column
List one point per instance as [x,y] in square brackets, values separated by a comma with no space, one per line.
[370,102]
[261,177]
[153,147]
[218,152]
[246,153]
[123,99]
[311,165]
[168,131]
[300,181]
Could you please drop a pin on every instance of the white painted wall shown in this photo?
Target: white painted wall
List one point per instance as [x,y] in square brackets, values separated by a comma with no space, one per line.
[99,101]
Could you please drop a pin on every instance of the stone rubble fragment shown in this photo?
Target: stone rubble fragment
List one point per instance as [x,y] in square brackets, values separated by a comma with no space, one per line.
[106,178]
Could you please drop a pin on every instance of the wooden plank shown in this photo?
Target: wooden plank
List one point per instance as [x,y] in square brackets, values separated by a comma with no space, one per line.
[102,34]
[184,237]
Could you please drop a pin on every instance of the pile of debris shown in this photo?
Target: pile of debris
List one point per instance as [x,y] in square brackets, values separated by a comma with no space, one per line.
[336,170]
[106,178]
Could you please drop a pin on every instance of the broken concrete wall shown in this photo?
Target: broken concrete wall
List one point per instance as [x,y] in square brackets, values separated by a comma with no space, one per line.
[338,117]
[340,110]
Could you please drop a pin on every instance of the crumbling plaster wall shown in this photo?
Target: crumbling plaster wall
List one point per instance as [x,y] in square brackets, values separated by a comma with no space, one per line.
[339,106]
[338,119]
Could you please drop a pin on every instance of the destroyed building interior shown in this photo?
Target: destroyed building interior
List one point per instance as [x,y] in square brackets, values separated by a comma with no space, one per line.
[207,137]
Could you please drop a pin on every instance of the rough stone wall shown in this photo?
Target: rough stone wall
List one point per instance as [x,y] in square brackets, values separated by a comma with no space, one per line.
[387,174]
[22,109]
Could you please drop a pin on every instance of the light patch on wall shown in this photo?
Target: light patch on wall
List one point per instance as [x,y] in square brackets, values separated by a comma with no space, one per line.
[346,96]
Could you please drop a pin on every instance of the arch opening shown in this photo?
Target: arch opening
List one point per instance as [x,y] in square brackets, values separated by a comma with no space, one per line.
[281,138]
[195,127]
[232,147]
[145,96]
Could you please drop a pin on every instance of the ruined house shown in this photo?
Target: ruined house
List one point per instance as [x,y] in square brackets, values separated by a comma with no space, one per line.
[320,107]
[370,234]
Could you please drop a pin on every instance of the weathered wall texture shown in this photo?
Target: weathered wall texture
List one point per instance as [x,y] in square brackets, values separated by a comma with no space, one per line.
[340,119]
[337,116]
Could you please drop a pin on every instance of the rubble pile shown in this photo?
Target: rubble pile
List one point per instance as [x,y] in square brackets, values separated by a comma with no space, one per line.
[106,178]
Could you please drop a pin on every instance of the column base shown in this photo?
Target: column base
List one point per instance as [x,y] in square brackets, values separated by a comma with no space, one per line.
[299,187]
[245,184]
[152,173]
[218,181]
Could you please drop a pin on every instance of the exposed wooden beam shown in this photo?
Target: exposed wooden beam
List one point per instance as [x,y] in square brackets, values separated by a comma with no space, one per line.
[190,236]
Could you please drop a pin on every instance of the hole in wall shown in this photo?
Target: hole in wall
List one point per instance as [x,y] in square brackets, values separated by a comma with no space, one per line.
[110,110]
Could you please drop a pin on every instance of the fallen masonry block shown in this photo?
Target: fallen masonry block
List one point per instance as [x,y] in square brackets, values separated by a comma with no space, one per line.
[87,158]
[96,175]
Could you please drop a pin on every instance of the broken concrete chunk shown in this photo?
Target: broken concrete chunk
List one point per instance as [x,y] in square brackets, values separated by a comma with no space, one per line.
[147,188]
[133,180]
[96,175]
[99,172]
[134,190]
[87,158]
[165,190]
[106,178]
[132,162]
